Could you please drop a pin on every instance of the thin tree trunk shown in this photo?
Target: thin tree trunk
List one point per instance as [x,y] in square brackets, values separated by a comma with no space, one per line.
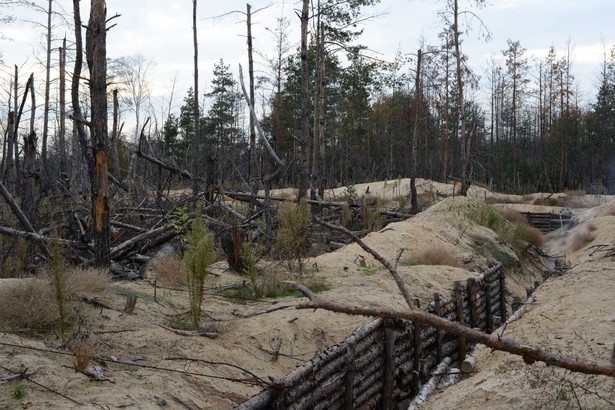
[197,154]
[14,174]
[304,141]
[30,195]
[254,174]
[415,135]
[62,132]
[96,52]
[115,136]
[466,148]
[46,107]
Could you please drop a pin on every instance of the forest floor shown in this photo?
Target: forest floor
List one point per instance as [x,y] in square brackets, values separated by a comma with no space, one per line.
[574,311]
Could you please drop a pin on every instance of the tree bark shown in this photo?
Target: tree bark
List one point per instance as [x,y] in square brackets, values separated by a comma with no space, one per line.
[415,135]
[46,106]
[115,136]
[254,174]
[304,141]
[466,149]
[62,131]
[198,146]
[96,52]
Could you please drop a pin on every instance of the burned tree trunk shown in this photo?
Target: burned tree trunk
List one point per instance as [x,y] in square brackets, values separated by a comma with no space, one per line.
[96,54]
[253,158]
[115,158]
[415,136]
[304,141]
[62,132]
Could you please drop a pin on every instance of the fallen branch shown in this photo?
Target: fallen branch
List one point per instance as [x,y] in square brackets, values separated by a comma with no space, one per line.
[211,335]
[40,238]
[400,282]
[528,353]
[210,362]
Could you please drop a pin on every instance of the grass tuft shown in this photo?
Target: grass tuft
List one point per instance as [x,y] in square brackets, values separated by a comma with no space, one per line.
[437,256]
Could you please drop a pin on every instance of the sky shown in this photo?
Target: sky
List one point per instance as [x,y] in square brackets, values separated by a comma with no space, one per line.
[161,30]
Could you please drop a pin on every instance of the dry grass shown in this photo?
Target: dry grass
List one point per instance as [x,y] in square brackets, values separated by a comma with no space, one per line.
[171,271]
[85,351]
[581,239]
[437,256]
[522,229]
[426,199]
[80,281]
[608,210]
[577,192]
[28,304]
[550,201]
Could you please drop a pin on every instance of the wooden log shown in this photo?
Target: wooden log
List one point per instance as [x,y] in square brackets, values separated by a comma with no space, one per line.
[521,310]
[437,312]
[261,401]
[472,297]
[349,377]
[389,382]
[374,390]
[503,307]
[431,385]
[40,238]
[125,247]
[416,357]
[468,364]
[458,297]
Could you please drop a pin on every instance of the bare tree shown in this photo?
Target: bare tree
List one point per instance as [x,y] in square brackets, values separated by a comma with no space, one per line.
[304,141]
[96,53]
[131,75]
[198,152]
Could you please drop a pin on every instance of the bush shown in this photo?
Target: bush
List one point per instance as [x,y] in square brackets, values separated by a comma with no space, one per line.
[197,259]
[90,281]
[291,239]
[171,271]
[28,304]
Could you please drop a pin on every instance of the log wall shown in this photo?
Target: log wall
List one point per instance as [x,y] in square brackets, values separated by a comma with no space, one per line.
[385,362]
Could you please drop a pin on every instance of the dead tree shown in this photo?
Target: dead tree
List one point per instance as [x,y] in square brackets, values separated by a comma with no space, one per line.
[47,86]
[415,136]
[197,153]
[253,157]
[62,131]
[96,54]
[304,141]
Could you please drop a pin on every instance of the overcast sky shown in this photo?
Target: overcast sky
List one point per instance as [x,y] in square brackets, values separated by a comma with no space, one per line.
[161,30]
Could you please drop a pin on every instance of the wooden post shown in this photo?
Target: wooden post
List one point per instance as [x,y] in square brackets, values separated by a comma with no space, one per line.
[516,304]
[416,342]
[349,377]
[389,367]
[488,316]
[458,297]
[502,278]
[438,312]
[472,290]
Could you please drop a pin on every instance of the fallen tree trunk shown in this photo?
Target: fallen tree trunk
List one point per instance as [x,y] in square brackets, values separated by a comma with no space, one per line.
[40,238]
[431,385]
[121,249]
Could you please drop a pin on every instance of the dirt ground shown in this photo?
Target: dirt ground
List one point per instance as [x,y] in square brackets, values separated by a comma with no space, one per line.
[573,311]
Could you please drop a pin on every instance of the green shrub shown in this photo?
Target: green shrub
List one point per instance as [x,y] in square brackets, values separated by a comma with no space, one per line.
[197,260]
[292,239]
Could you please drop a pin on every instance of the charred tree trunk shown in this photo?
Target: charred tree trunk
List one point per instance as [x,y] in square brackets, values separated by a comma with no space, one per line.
[466,145]
[46,107]
[96,52]
[77,116]
[115,136]
[62,132]
[197,153]
[415,136]
[254,174]
[30,193]
[304,141]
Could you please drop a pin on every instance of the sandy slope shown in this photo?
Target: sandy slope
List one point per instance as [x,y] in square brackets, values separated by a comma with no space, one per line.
[573,314]
[245,341]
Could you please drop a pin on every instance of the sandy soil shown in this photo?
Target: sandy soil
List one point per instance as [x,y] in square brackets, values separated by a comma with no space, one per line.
[247,342]
[573,315]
